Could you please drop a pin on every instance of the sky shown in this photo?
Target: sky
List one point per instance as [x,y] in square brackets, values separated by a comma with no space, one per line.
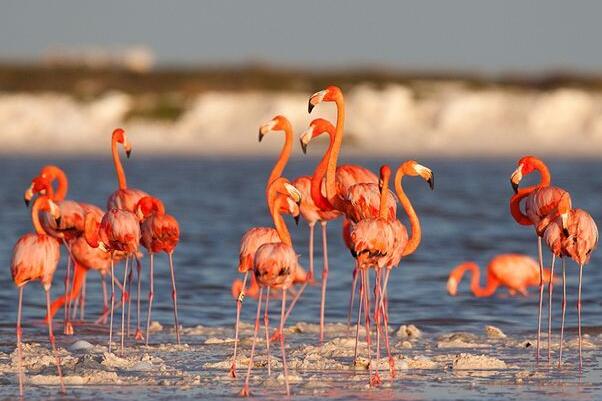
[462,35]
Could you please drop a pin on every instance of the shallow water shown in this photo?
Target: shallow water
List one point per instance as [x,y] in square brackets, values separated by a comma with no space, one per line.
[465,218]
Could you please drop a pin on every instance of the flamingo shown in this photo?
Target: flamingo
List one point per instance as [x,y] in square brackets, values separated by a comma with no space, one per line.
[160,233]
[118,231]
[275,267]
[255,238]
[514,271]
[35,257]
[126,198]
[541,202]
[575,236]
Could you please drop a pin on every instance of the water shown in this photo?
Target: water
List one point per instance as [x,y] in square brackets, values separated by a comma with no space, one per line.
[216,200]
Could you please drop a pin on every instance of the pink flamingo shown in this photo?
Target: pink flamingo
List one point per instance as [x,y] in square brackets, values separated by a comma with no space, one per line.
[575,236]
[514,271]
[118,231]
[275,267]
[160,233]
[35,257]
[542,201]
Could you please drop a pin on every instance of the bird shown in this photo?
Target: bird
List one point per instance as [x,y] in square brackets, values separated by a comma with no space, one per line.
[160,232]
[575,236]
[515,271]
[275,267]
[35,258]
[254,238]
[117,231]
[542,202]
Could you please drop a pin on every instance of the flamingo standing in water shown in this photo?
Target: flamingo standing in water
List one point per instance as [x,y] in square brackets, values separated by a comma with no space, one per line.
[575,236]
[514,271]
[118,231]
[542,202]
[126,198]
[339,179]
[160,233]
[252,240]
[35,257]
[275,267]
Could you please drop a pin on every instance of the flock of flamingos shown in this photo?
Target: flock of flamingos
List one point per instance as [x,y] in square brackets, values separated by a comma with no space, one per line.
[377,240]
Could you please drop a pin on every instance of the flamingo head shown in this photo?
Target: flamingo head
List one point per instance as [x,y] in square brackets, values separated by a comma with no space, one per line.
[47,205]
[148,205]
[330,94]
[278,123]
[525,165]
[120,136]
[286,204]
[385,174]
[316,128]
[413,168]
[39,185]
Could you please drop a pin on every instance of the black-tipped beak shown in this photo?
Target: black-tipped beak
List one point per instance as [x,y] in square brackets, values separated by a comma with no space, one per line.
[297,219]
[260,136]
[26,202]
[565,231]
[303,147]
[431,181]
[58,221]
[128,153]
[310,107]
[514,186]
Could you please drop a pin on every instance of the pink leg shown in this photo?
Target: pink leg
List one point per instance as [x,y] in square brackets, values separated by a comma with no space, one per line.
[125,282]
[19,343]
[266,324]
[129,292]
[112,303]
[239,301]
[377,314]
[105,311]
[67,326]
[82,301]
[311,251]
[324,279]
[374,380]
[284,364]
[353,285]
[539,251]
[245,390]
[579,318]
[151,295]
[174,297]
[138,336]
[359,318]
[550,290]
[386,323]
[294,301]
[563,312]
[52,344]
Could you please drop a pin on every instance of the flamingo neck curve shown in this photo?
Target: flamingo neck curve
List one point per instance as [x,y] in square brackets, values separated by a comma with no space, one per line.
[331,192]
[316,180]
[117,163]
[285,154]
[416,235]
[475,286]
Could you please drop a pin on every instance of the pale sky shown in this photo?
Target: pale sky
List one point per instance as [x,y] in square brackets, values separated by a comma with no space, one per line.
[479,35]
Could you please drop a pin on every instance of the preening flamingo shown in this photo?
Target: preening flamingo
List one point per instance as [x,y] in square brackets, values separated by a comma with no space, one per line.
[254,238]
[160,233]
[576,236]
[118,231]
[35,258]
[542,202]
[275,267]
[514,271]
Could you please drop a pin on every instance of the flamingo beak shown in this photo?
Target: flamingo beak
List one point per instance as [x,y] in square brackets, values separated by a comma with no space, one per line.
[58,221]
[303,146]
[297,219]
[28,195]
[516,177]
[315,99]
[102,246]
[565,218]
[431,181]
[452,286]
[294,193]
[305,138]
[265,128]
[427,174]
[260,135]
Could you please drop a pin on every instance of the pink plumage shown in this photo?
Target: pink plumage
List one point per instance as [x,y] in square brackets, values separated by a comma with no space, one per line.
[35,257]
[544,202]
[125,199]
[250,243]
[120,231]
[276,265]
[309,211]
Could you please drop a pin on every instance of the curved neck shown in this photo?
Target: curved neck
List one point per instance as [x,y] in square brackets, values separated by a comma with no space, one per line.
[515,209]
[475,280]
[279,223]
[118,166]
[416,236]
[91,230]
[35,215]
[285,154]
[63,184]
[316,180]
[544,172]
[331,192]
[383,207]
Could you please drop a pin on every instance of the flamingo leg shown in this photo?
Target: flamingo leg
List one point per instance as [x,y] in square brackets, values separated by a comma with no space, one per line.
[82,300]
[385,313]
[353,285]
[374,380]
[21,373]
[324,280]
[67,326]
[550,290]
[112,302]
[311,251]
[174,297]
[130,278]
[539,251]
[282,349]
[563,312]
[266,324]
[359,317]
[239,301]
[125,278]
[151,294]
[579,318]
[245,390]
[52,343]
[105,310]
[377,314]
[276,334]
[138,336]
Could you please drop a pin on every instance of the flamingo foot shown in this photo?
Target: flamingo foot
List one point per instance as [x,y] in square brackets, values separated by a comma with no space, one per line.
[375,380]
[392,367]
[245,391]
[232,372]
[276,336]
[310,278]
[139,336]
[68,330]
[102,319]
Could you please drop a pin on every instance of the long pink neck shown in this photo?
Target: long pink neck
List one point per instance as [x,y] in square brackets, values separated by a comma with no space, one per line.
[515,200]
[118,166]
[35,214]
[416,235]
[63,183]
[285,154]
[279,223]
[316,180]
[475,285]
[331,170]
